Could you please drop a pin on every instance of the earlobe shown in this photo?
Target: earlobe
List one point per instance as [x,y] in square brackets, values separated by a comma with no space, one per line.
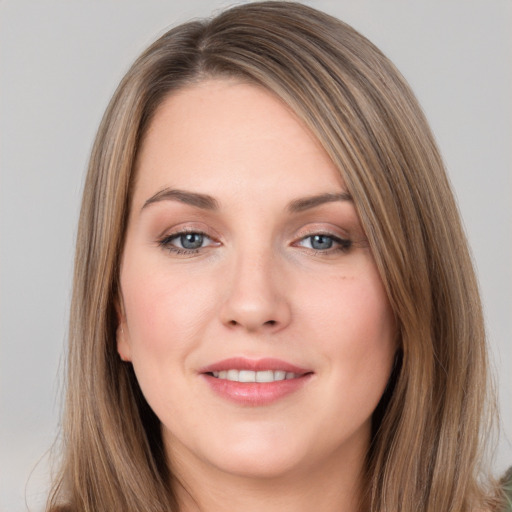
[123,347]
[122,341]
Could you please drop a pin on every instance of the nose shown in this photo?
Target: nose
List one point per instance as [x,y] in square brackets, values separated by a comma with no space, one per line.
[256,298]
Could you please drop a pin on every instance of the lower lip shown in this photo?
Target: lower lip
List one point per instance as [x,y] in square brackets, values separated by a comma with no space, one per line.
[255,393]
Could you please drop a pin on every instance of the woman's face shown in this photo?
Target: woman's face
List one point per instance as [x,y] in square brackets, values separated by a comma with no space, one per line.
[250,306]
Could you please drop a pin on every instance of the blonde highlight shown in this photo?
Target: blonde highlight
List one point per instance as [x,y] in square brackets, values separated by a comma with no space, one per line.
[425,450]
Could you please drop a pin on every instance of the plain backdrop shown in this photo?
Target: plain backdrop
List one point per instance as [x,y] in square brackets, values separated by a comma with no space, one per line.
[59,64]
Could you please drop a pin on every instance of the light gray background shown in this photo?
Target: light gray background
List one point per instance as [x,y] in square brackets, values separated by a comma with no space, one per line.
[60,62]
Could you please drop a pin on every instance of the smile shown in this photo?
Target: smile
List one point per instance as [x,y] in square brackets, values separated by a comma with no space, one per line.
[254,376]
[250,382]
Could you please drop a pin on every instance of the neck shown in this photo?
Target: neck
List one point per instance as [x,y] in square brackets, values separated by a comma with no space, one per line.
[333,487]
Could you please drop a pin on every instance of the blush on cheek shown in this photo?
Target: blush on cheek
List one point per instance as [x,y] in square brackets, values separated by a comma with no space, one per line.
[165,315]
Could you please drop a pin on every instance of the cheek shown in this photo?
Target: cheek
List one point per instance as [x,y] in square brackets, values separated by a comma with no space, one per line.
[164,312]
[358,335]
[371,329]
[353,309]
[165,316]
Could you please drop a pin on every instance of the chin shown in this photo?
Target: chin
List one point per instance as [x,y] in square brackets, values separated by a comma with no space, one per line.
[260,456]
[262,464]
[249,453]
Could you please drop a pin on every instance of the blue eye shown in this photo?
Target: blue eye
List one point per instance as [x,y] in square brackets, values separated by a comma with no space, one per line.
[321,242]
[324,243]
[191,240]
[186,242]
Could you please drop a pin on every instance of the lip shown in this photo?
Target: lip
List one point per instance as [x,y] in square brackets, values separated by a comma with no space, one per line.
[254,393]
[243,363]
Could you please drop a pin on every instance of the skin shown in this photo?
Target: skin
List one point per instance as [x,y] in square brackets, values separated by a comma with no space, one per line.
[259,286]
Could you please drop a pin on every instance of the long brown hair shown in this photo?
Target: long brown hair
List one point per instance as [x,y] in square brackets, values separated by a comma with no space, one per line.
[424,454]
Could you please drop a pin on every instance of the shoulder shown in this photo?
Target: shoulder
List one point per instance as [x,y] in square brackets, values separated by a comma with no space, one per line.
[506,485]
[500,497]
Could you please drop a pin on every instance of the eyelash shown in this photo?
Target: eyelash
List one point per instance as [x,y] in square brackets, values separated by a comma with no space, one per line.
[166,242]
[340,244]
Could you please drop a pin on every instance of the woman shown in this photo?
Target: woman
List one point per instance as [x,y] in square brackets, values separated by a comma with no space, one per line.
[274,306]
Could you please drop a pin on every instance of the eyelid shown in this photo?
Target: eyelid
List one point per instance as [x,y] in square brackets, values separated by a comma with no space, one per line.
[188,227]
[166,238]
[179,234]
[322,228]
[342,242]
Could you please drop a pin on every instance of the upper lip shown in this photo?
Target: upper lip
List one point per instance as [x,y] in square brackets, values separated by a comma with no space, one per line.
[242,363]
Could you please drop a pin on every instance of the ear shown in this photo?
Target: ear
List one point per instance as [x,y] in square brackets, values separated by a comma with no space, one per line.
[122,337]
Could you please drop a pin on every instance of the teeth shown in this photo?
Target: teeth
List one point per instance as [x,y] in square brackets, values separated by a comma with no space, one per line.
[251,376]
[267,376]
[232,375]
[243,376]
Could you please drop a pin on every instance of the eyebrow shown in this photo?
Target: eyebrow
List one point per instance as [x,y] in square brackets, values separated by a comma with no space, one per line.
[207,202]
[203,201]
[305,203]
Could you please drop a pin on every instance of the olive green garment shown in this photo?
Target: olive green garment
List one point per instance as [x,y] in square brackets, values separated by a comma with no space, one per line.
[507,488]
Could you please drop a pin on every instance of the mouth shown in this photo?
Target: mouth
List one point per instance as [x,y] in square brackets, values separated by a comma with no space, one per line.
[255,382]
[235,375]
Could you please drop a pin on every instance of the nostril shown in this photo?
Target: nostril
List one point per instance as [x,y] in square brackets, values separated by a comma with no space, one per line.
[270,322]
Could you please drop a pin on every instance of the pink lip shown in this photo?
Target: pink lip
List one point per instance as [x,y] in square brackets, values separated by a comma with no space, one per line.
[254,393]
[242,363]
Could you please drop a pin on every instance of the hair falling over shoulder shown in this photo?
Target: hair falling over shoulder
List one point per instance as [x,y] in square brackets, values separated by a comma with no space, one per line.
[426,451]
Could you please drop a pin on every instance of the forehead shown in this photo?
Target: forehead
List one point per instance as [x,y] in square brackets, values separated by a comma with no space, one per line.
[221,136]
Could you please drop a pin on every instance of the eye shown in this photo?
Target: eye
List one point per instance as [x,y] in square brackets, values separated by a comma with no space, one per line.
[323,243]
[190,240]
[186,242]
